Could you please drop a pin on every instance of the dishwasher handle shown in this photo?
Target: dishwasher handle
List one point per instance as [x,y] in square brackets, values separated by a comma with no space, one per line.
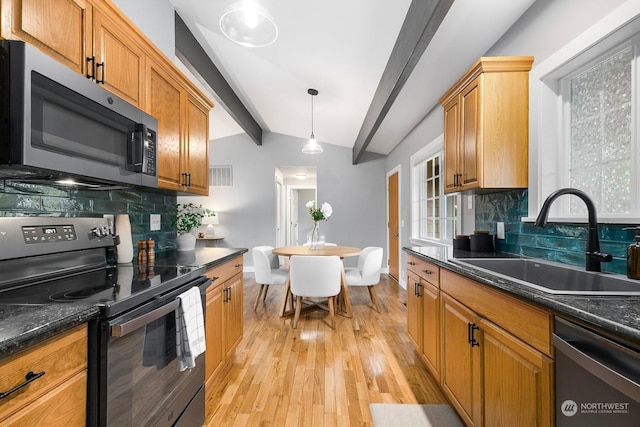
[595,367]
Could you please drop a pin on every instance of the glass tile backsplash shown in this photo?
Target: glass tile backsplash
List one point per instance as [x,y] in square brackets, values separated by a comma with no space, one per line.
[558,242]
[26,199]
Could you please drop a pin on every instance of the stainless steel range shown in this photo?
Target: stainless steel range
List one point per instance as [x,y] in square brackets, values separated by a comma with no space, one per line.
[133,374]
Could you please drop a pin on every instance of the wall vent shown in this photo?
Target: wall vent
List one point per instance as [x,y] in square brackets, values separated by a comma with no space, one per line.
[221,176]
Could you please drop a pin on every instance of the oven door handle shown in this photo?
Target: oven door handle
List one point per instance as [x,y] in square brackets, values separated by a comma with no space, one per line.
[122,329]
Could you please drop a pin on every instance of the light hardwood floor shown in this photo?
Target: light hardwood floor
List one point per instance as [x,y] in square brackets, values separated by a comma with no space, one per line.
[313,376]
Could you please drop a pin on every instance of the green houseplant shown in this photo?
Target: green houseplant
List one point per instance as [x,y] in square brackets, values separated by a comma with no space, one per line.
[187,217]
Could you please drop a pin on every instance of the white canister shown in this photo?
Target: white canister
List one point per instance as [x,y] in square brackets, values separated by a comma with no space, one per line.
[125,247]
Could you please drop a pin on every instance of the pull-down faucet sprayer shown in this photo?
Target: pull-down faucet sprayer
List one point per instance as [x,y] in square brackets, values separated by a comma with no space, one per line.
[593,255]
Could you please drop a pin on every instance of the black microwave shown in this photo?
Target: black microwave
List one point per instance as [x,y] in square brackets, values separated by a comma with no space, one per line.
[56,124]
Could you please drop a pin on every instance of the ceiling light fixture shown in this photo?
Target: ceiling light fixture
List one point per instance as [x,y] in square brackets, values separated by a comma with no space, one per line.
[312,147]
[301,176]
[248,24]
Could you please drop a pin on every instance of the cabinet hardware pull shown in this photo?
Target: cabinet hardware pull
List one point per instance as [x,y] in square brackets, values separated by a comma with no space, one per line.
[427,271]
[238,265]
[92,60]
[100,65]
[184,179]
[471,328]
[418,294]
[411,263]
[188,179]
[229,290]
[27,379]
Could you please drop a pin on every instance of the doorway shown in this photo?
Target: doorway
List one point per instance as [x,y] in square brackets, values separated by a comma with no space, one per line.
[298,185]
[393,237]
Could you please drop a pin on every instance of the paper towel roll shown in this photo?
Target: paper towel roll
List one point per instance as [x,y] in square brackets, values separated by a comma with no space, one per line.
[123,230]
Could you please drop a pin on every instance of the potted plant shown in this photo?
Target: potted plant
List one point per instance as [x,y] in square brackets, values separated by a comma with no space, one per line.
[187,217]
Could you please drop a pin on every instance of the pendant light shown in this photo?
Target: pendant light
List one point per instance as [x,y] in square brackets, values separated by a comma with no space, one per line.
[312,147]
[248,24]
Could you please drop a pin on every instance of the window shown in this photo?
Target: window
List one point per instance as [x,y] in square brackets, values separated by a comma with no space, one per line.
[598,125]
[586,121]
[434,215]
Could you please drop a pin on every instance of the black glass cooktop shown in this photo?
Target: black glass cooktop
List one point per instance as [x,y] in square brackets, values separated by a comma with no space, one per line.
[113,289]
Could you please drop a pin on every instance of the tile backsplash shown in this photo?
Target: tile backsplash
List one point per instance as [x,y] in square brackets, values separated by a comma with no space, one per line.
[558,242]
[19,198]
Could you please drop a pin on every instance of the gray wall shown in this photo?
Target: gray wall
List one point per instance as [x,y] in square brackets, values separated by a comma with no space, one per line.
[248,209]
[156,19]
[546,27]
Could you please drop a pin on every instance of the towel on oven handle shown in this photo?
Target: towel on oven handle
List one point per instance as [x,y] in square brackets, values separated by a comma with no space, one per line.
[190,340]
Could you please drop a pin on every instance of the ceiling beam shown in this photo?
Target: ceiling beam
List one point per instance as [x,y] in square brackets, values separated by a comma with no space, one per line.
[422,20]
[189,51]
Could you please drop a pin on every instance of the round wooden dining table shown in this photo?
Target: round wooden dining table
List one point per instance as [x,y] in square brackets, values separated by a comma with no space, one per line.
[341,251]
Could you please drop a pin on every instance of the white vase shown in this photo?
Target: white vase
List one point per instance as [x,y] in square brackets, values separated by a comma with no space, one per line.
[186,242]
[125,247]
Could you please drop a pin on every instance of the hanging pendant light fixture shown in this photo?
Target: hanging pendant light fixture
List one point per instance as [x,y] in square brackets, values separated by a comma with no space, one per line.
[312,147]
[248,24]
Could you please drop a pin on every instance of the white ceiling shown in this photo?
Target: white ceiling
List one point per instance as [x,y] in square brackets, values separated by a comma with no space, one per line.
[341,49]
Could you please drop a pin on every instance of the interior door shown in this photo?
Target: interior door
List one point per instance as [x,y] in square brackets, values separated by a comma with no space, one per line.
[294,217]
[394,229]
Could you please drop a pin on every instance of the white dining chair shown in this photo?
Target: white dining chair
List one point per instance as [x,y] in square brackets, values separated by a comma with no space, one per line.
[315,277]
[267,270]
[367,273]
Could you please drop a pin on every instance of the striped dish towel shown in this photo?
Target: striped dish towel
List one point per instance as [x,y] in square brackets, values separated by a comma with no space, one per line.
[190,341]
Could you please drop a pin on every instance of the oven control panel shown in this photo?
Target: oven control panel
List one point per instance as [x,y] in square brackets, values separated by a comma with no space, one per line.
[49,234]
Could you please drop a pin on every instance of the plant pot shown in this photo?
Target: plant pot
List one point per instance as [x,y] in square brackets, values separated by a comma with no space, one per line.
[186,242]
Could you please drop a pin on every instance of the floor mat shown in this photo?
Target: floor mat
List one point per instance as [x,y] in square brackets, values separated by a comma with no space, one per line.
[406,415]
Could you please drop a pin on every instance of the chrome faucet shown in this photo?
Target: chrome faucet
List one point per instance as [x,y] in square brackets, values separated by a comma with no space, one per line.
[593,255]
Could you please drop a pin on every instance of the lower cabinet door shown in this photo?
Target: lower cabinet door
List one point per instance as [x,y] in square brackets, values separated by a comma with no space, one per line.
[65,405]
[461,368]
[518,381]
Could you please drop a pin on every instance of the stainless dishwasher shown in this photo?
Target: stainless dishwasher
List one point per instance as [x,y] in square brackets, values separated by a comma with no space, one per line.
[597,379]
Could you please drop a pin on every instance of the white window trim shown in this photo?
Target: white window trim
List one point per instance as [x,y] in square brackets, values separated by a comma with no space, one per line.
[545,102]
[429,150]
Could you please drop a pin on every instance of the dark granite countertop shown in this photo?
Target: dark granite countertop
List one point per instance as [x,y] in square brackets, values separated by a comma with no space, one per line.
[617,315]
[24,325]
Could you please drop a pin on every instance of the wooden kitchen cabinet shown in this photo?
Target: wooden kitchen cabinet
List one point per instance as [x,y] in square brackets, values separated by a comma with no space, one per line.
[486,121]
[223,319]
[423,312]
[119,59]
[497,367]
[60,28]
[59,396]
[87,36]
[94,38]
[461,368]
[196,146]
[183,131]
[517,382]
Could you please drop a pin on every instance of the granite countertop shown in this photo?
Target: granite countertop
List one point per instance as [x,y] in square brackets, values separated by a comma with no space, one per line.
[618,315]
[22,326]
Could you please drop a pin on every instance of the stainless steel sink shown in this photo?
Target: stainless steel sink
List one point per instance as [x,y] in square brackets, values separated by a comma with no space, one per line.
[554,278]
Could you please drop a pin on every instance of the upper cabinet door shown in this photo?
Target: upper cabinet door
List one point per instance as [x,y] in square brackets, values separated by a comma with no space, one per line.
[197,147]
[164,102]
[61,28]
[471,138]
[119,61]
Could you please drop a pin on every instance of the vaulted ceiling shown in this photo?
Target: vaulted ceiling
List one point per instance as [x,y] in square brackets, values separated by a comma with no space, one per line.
[379,70]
